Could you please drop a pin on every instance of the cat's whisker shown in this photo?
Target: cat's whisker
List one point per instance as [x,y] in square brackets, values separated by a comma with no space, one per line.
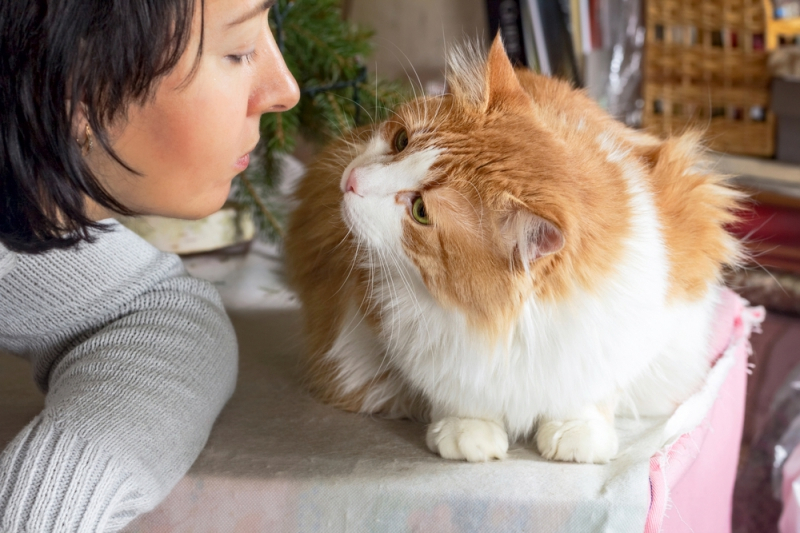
[446,54]
[747,239]
[385,355]
[364,302]
[405,70]
[393,296]
[343,161]
[352,142]
[352,263]
[753,257]
[389,349]
[770,274]
[478,214]
[334,219]
[372,277]
[404,276]
[348,329]
[346,333]
[376,89]
[396,305]
[436,118]
[765,251]
[392,255]
[393,114]
[370,115]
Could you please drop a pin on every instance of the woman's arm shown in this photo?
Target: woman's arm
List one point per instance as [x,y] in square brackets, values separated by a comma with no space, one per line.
[137,359]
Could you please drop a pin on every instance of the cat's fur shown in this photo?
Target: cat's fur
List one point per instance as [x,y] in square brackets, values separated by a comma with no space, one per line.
[570,269]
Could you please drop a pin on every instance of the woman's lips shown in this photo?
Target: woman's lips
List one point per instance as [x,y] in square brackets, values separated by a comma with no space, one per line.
[242,162]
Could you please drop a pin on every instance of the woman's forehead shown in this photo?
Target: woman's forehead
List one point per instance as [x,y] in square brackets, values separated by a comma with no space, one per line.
[226,16]
[240,11]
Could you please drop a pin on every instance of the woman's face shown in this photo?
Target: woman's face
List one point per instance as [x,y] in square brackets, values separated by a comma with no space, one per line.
[191,140]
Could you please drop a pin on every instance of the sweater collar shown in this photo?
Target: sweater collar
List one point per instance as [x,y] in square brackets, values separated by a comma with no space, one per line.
[7,261]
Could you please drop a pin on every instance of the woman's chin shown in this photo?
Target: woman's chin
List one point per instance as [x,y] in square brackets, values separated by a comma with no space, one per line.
[204,211]
[188,210]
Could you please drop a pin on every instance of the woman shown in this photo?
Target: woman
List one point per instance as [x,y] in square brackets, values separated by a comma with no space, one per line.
[133,107]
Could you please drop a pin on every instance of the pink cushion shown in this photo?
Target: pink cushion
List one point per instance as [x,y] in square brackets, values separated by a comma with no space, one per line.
[692,480]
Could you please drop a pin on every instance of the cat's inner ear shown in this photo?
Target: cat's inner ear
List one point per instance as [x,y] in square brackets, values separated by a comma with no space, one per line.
[530,236]
[502,85]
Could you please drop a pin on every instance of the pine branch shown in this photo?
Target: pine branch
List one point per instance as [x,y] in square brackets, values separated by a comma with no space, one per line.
[325,54]
[263,208]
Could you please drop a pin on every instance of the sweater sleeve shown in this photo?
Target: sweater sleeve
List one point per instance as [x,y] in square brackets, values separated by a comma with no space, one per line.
[136,358]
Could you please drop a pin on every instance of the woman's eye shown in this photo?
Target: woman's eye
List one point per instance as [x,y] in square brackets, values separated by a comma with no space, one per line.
[418,211]
[244,58]
[401,140]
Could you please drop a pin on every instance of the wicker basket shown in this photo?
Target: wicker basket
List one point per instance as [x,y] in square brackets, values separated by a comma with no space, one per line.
[706,67]
[779,28]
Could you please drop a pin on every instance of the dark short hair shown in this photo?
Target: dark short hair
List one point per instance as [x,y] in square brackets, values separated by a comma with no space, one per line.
[56,57]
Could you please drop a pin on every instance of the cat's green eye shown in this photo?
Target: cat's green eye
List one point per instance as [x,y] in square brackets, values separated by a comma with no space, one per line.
[401,140]
[418,211]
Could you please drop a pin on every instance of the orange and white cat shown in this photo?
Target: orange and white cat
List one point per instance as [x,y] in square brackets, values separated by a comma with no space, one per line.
[505,259]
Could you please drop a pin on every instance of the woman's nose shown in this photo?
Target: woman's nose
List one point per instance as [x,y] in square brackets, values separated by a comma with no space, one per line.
[275,88]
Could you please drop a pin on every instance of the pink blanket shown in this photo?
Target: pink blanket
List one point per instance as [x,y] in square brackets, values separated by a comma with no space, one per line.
[692,480]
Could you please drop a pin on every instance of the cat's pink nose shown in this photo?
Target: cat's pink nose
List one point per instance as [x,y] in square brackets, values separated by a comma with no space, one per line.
[352,184]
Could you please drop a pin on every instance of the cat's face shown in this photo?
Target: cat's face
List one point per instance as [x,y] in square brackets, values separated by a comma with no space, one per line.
[461,186]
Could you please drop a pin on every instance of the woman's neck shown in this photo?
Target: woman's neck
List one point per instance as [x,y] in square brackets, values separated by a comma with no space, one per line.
[96,211]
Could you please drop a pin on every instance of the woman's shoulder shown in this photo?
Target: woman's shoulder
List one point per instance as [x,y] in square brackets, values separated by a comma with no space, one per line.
[116,267]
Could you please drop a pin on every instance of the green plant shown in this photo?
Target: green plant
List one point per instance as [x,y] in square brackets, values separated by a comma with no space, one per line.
[326,56]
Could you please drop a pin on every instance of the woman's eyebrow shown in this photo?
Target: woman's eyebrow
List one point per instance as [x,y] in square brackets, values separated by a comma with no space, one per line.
[253,12]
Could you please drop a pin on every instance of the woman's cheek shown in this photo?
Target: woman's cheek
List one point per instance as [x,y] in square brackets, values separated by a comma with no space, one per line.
[224,123]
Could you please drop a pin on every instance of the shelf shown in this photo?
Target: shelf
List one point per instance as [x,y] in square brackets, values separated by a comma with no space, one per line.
[769,181]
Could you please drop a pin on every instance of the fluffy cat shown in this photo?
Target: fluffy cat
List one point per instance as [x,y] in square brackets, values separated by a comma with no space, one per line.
[505,259]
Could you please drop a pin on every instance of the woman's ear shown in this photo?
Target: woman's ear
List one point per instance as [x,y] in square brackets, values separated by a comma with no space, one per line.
[81,130]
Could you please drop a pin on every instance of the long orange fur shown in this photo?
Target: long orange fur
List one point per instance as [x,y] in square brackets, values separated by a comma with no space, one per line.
[531,145]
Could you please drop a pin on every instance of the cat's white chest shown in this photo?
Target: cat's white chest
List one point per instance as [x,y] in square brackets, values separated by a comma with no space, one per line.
[532,372]
[556,360]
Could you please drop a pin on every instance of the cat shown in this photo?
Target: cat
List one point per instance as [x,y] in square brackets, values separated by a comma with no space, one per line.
[507,260]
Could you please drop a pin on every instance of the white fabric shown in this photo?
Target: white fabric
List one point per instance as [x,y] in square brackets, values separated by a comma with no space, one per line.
[280,461]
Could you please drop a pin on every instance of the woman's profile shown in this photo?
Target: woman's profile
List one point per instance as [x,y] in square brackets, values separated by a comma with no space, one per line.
[112,106]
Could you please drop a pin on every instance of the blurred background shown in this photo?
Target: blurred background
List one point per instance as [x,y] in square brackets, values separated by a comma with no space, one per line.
[412,35]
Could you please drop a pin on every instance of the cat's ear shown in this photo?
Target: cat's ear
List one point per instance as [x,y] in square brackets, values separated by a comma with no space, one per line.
[502,85]
[530,236]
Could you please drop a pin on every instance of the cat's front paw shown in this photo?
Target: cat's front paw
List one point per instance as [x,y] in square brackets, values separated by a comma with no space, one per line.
[472,439]
[582,441]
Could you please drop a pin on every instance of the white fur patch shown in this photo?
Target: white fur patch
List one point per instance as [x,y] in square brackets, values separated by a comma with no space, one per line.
[467,73]
[358,353]
[375,215]
[361,358]
[588,439]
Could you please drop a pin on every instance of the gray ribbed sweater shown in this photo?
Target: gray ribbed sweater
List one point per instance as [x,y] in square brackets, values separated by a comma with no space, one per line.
[136,358]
